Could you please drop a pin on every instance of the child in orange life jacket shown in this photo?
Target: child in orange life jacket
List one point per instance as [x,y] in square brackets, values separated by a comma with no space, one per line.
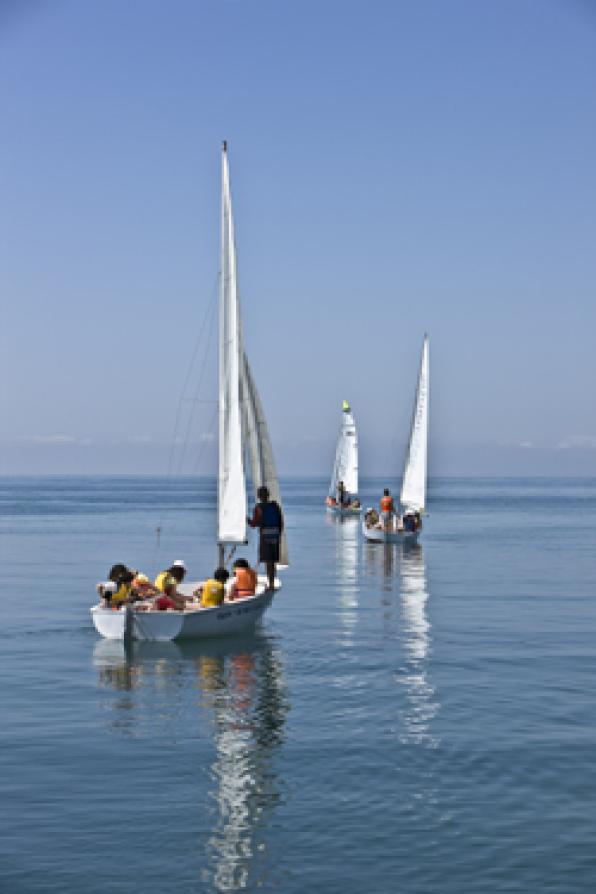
[245,580]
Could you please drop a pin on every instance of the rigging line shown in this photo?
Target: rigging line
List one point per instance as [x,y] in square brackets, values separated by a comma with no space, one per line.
[197,391]
[207,316]
[204,443]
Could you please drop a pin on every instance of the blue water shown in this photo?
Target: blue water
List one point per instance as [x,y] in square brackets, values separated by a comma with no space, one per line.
[406,720]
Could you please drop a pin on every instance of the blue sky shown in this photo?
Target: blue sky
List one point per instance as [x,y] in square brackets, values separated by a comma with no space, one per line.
[397,167]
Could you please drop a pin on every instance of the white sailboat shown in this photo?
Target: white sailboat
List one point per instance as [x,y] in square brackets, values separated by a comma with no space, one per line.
[242,431]
[413,489]
[345,468]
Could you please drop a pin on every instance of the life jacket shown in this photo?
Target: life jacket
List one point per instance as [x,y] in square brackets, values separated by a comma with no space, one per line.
[121,594]
[386,504]
[270,515]
[271,523]
[213,593]
[245,583]
[164,581]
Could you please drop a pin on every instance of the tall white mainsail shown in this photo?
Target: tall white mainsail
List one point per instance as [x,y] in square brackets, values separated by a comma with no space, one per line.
[413,489]
[258,444]
[231,514]
[345,467]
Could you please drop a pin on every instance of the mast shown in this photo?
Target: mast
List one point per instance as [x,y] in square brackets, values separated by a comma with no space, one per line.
[231,494]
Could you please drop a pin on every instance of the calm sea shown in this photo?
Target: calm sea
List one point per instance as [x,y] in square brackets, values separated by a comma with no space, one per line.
[406,720]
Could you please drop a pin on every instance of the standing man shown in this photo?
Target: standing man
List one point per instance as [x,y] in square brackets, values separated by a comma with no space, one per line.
[268,518]
[341,493]
[387,509]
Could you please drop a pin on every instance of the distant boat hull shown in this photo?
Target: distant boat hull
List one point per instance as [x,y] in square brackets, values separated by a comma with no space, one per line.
[378,535]
[343,511]
[228,619]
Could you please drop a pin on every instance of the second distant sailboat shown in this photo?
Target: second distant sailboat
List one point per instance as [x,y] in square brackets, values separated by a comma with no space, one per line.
[343,489]
[391,527]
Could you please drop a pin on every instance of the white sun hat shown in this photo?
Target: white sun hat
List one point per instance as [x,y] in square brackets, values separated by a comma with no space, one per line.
[179,564]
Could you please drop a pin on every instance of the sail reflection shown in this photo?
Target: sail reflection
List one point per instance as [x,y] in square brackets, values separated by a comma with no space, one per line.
[242,695]
[249,716]
[421,704]
[347,531]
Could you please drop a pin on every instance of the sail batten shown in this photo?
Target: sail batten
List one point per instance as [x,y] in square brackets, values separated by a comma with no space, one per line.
[231,511]
[413,490]
[345,467]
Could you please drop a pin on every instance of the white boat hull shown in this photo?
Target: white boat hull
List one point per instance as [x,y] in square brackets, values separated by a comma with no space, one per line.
[378,535]
[160,626]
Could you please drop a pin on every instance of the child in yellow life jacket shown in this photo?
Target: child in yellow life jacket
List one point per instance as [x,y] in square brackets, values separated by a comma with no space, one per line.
[245,580]
[177,571]
[213,590]
[123,578]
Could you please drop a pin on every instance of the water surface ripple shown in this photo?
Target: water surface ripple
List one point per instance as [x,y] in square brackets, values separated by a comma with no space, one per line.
[407,719]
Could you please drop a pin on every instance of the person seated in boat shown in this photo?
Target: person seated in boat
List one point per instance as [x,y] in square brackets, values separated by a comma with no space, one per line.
[244,582]
[213,590]
[122,577]
[410,523]
[142,588]
[371,517]
[268,517]
[106,590]
[387,509]
[168,596]
[117,570]
[177,570]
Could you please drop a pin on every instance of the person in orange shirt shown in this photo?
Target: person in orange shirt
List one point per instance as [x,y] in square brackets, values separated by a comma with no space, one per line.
[387,509]
[245,580]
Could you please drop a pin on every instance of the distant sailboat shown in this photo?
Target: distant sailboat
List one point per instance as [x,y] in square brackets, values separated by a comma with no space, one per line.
[343,489]
[242,430]
[413,489]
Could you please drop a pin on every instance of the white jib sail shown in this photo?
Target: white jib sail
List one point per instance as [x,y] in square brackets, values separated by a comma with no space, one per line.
[231,515]
[413,489]
[345,467]
[259,446]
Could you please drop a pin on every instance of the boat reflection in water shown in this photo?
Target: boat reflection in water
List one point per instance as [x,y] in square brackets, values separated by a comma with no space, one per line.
[421,703]
[403,572]
[347,540]
[243,704]
[380,559]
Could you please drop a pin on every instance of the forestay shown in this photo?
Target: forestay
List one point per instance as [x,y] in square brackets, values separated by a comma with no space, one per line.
[345,467]
[258,444]
[413,490]
[231,518]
